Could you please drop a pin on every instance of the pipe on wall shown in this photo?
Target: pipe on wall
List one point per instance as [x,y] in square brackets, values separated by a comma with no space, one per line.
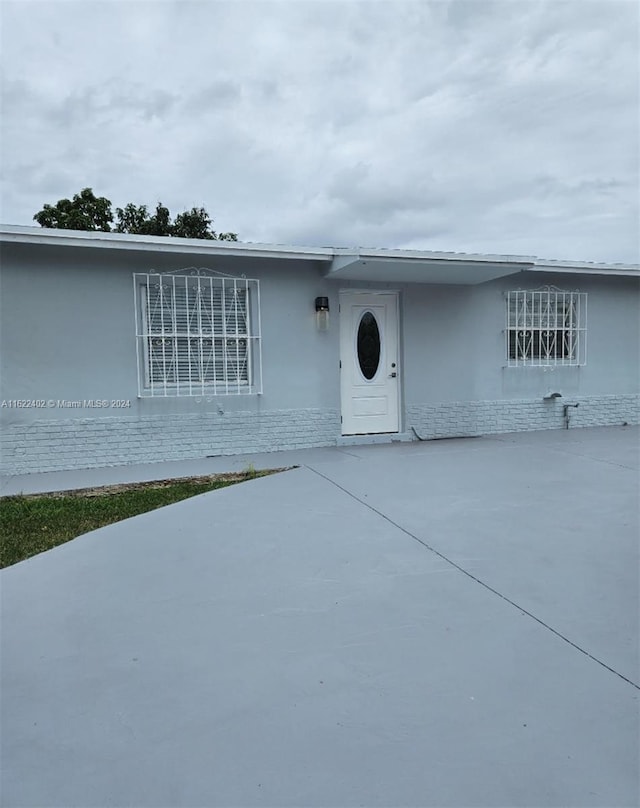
[566,409]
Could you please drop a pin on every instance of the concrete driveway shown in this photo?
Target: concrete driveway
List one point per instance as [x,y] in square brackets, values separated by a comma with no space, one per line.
[451,623]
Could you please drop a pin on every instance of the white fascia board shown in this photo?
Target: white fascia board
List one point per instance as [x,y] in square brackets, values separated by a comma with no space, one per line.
[417,266]
[338,257]
[445,256]
[125,241]
[586,268]
[345,257]
[530,261]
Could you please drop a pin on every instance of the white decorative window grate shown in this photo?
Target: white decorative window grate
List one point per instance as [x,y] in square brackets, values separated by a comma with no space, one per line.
[197,333]
[546,327]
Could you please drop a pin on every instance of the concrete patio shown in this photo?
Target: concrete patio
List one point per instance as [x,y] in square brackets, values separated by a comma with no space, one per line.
[451,623]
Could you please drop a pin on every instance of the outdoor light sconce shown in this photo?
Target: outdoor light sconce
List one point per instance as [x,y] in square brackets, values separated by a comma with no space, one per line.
[322,313]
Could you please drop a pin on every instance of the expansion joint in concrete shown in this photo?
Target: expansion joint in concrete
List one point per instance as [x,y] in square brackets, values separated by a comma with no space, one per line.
[474,578]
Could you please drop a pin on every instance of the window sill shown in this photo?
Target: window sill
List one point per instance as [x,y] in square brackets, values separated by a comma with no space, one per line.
[172,393]
[550,366]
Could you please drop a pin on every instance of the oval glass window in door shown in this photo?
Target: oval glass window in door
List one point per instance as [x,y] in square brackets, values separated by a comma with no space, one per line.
[368,342]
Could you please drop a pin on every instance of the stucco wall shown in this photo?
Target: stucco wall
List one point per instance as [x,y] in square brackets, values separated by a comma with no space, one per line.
[68,327]
[68,334]
[456,379]
[455,343]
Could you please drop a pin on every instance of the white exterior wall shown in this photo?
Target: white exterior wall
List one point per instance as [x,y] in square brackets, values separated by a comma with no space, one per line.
[68,333]
[466,418]
[93,442]
[456,379]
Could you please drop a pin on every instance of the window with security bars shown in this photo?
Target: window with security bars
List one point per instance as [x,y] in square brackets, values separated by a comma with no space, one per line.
[546,327]
[198,333]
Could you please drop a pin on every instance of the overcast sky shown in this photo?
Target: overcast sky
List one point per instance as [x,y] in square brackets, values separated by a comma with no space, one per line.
[501,127]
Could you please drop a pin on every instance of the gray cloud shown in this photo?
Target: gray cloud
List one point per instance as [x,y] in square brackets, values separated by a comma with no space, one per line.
[216,96]
[101,104]
[509,125]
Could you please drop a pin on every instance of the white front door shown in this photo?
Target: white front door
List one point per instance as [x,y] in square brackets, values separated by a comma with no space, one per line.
[369,375]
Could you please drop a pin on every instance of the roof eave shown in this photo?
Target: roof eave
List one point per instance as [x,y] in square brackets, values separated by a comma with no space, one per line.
[121,241]
[343,262]
[620,270]
[400,266]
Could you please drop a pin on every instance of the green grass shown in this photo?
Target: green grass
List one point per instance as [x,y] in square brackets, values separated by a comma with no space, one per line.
[32,524]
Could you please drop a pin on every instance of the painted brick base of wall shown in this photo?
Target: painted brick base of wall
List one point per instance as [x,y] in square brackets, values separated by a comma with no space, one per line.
[490,417]
[93,442]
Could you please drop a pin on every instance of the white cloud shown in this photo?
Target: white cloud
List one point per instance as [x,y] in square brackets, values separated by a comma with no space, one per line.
[506,126]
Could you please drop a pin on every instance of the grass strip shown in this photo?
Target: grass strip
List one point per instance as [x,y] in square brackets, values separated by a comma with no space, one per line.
[33,523]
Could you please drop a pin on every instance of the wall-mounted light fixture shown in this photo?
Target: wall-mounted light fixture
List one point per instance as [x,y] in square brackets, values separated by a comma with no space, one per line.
[322,313]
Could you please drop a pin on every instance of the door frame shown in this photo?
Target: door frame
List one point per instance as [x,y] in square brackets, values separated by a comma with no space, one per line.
[395,293]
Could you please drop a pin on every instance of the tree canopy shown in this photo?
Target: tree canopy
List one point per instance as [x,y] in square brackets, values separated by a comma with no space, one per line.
[84,212]
[89,212]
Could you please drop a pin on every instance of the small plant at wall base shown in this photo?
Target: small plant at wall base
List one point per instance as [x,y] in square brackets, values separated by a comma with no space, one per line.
[86,211]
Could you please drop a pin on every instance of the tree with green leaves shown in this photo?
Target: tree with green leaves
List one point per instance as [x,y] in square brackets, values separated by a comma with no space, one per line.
[84,212]
[136,219]
[88,212]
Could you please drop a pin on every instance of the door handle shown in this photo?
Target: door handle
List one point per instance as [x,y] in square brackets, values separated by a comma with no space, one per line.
[393,375]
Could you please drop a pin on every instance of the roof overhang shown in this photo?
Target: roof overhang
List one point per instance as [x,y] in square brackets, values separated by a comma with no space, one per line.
[340,263]
[413,266]
[96,239]
[587,268]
